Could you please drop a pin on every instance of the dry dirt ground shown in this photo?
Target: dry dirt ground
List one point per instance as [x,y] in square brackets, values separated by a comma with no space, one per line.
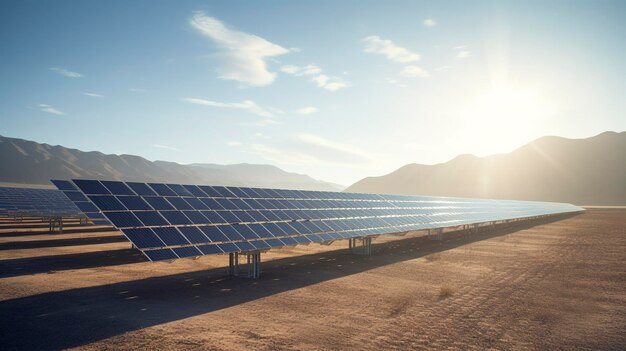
[552,285]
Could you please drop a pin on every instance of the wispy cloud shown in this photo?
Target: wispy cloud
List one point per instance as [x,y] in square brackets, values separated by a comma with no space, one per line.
[307,110]
[377,45]
[414,71]
[313,71]
[463,54]
[307,149]
[94,95]
[328,83]
[429,22]
[166,147]
[234,143]
[67,73]
[246,105]
[442,68]
[138,90]
[307,70]
[50,109]
[341,151]
[243,55]
[395,82]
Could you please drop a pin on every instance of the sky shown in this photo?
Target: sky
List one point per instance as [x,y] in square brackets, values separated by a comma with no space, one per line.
[338,90]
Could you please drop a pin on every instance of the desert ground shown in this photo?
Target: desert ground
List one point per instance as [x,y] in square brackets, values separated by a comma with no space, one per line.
[555,284]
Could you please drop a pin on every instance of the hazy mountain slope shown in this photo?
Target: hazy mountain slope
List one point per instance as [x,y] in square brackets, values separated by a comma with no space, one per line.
[25,161]
[270,176]
[588,171]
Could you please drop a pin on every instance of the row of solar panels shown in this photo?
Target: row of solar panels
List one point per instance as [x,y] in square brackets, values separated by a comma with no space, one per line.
[168,221]
[206,191]
[35,202]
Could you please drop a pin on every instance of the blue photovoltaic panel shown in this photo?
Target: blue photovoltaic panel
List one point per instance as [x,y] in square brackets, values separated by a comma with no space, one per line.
[107,203]
[179,203]
[150,218]
[158,203]
[141,189]
[117,188]
[195,190]
[91,187]
[64,185]
[175,217]
[209,190]
[134,203]
[123,219]
[188,251]
[39,202]
[179,190]
[189,220]
[160,255]
[170,236]
[228,247]
[220,233]
[210,249]
[162,189]
[143,238]
[194,235]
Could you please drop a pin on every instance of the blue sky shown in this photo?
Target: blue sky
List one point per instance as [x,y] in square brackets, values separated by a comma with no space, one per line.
[339,90]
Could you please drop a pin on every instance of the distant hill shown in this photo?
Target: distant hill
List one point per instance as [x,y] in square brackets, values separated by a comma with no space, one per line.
[28,162]
[588,171]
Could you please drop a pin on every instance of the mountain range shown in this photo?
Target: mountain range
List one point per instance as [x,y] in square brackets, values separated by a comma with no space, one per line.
[28,162]
[589,171]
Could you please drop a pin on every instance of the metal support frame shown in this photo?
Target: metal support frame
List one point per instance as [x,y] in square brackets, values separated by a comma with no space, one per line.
[360,245]
[435,234]
[252,266]
[56,222]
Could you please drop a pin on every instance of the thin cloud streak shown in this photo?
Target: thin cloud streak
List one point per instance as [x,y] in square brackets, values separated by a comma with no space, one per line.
[165,147]
[49,109]
[243,55]
[246,105]
[337,148]
[307,110]
[93,95]
[66,73]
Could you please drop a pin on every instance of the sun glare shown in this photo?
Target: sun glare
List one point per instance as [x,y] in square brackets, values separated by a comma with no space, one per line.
[501,118]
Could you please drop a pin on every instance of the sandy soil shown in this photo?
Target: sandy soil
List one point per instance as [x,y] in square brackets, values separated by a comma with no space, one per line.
[551,285]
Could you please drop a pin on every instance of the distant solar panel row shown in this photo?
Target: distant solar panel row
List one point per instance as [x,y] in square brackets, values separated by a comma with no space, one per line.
[35,202]
[169,221]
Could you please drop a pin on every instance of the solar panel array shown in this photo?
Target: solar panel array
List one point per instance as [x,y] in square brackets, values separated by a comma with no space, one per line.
[171,221]
[35,202]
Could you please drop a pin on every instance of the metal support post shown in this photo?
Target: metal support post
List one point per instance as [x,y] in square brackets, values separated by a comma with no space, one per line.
[435,234]
[56,222]
[364,246]
[253,265]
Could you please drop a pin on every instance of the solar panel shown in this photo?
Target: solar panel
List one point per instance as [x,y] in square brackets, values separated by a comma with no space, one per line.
[170,221]
[22,202]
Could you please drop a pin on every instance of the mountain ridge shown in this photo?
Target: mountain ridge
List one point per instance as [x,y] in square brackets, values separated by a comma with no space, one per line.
[36,163]
[587,171]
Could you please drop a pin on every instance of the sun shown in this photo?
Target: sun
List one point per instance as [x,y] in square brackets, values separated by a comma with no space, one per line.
[501,118]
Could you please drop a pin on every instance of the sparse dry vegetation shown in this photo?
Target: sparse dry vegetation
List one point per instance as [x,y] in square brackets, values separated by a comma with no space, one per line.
[446,291]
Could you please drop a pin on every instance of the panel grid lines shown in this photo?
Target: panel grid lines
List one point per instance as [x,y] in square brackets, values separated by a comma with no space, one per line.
[168,221]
